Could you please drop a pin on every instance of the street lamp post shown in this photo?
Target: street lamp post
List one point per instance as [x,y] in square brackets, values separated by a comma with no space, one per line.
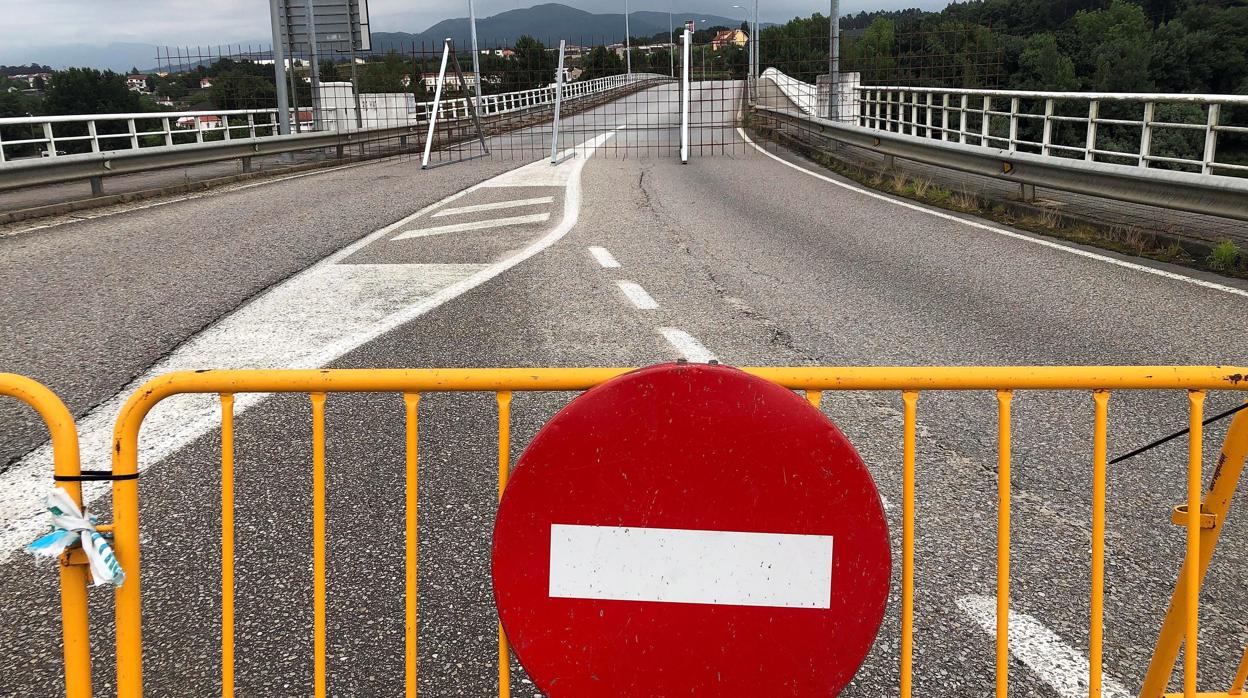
[476,55]
[628,51]
[671,39]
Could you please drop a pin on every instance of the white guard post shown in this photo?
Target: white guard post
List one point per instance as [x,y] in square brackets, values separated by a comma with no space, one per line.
[437,105]
[448,56]
[684,99]
[554,137]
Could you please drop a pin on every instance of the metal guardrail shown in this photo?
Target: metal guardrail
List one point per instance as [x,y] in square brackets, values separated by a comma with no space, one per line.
[166,129]
[980,153]
[152,139]
[998,117]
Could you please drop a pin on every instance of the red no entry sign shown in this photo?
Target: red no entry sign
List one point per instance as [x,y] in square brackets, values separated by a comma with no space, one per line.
[690,530]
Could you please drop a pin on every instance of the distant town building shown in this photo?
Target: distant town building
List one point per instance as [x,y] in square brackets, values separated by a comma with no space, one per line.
[32,79]
[205,83]
[500,52]
[137,82]
[208,122]
[450,82]
[729,37]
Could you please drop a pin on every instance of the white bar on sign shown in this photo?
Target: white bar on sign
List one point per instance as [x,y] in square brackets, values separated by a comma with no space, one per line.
[670,565]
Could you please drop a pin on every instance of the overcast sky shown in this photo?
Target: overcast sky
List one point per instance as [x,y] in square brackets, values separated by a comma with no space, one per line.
[29,23]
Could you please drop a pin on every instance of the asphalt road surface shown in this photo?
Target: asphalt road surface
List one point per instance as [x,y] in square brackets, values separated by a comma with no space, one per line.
[604,260]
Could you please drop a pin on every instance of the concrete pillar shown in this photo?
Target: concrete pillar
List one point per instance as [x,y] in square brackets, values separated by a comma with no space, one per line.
[247,164]
[97,186]
[1027,192]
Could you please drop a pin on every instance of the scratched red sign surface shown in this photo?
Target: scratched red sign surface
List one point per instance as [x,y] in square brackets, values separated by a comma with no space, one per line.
[688,529]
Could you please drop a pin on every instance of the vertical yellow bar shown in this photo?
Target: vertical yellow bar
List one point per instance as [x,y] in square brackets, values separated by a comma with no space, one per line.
[1004,397]
[1237,686]
[1195,488]
[411,401]
[227,545]
[814,397]
[75,623]
[910,400]
[318,544]
[1096,639]
[504,471]
[128,604]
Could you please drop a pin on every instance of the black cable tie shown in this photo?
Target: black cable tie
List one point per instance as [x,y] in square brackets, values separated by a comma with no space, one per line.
[95,476]
[1177,434]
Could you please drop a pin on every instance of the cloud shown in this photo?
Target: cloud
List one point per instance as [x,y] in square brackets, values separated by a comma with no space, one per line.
[197,23]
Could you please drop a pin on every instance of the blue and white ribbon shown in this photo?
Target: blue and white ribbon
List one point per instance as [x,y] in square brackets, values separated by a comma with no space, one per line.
[70,526]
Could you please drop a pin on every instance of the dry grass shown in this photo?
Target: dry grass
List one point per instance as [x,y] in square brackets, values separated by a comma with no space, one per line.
[921,187]
[964,200]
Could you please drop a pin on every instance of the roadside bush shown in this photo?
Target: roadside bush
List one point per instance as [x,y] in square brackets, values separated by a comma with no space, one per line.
[1225,256]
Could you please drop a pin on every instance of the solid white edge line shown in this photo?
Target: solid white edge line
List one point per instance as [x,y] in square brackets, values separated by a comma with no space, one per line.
[475,225]
[1002,231]
[604,258]
[637,295]
[494,206]
[688,347]
[1058,664]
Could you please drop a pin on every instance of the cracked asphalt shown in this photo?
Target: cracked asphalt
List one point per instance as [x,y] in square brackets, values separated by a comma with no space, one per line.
[763,265]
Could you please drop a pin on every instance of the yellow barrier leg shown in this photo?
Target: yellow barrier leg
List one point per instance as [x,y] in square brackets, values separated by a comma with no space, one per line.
[1237,686]
[411,402]
[1217,504]
[504,472]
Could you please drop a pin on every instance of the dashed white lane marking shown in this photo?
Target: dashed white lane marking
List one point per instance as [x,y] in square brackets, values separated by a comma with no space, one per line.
[688,347]
[637,295]
[308,321]
[1002,231]
[475,225]
[514,203]
[604,257]
[1058,664]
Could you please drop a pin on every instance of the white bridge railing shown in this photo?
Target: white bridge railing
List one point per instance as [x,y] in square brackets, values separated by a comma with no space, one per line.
[1122,128]
[47,136]
[1154,149]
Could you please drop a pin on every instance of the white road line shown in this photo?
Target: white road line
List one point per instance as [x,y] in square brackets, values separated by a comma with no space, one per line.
[684,343]
[514,203]
[604,257]
[1002,231]
[1058,664]
[674,565]
[637,295]
[475,225]
[308,321]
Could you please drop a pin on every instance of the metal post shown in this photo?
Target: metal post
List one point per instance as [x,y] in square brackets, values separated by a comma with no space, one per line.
[834,60]
[279,70]
[437,104]
[671,39]
[476,55]
[754,39]
[316,66]
[684,98]
[290,74]
[355,87]
[554,138]
[628,51]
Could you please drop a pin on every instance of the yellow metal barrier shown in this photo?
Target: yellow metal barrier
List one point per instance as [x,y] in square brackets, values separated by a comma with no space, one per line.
[73,568]
[1181,621]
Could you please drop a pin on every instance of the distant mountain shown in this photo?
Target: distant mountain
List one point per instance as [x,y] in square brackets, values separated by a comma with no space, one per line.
[548,23]
[116,56]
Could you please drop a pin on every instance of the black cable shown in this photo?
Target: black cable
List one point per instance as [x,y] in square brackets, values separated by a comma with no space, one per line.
[1177,434]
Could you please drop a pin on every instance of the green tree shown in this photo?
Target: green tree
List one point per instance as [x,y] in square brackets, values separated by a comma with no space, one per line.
[240,89]
[89,91]
[601,62]
[1043,66]
[1115,48]
[386,74]
[532,66]
[329,71]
